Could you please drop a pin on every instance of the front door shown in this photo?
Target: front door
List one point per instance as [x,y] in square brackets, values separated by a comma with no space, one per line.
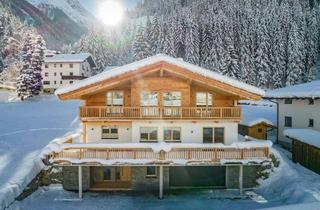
[207,135]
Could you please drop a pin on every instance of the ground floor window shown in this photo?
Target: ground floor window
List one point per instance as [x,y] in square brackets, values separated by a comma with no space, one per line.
[172,134]
[213,135]
[151,171]
[148,134]
[218,135]
[110,132]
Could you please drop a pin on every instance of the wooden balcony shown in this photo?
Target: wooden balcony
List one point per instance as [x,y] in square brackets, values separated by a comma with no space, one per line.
[137,156]
[104,112]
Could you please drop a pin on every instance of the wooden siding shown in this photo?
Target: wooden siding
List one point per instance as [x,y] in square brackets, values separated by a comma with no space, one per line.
[307,155]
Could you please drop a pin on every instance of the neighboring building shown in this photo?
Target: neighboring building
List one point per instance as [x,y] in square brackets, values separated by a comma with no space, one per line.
[259,120]
[157,124]
[298,107]
[64,69]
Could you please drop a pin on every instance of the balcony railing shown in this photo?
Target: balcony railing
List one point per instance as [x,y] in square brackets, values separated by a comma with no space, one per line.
[160,112]
[129,155]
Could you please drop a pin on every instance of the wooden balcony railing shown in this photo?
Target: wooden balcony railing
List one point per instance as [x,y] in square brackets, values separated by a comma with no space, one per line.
[192,154]
[160,112]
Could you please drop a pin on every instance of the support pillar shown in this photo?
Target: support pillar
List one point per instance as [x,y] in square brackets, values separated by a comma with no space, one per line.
[80,181]
[84,133]
[160,182]
[241,180]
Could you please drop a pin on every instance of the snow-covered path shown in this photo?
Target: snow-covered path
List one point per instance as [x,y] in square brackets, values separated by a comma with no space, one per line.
[25,128]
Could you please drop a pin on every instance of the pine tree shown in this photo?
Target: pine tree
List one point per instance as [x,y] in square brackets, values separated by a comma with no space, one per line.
[192,44]
[37,61]
[141,48]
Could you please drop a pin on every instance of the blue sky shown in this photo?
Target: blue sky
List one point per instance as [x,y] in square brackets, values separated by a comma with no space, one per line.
[91,4]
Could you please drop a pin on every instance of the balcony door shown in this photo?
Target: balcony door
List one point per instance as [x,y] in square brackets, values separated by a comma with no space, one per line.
[207,135]
[149,104]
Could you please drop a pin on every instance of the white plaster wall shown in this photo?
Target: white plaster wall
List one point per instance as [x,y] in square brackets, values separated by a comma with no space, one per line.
[94,134]
[301,112]
[191,132]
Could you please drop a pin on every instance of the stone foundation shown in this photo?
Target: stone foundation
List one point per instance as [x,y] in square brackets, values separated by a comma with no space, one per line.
[71,177]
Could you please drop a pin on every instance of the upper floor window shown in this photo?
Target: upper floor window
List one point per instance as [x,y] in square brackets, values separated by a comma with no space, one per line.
[148,134]
[109,132]
[148,98]
[71,73]
[71,65]
[55,73]
[288,121]
[55,65]
[46,82]
[55,82]
[311,122]
[115,98]
[70,82]
[46,74]
[46,66]
[311,101]
[60,73]
[172,99]
[61,65]
[172,134]
[288,101]
[203,99]
[60,82]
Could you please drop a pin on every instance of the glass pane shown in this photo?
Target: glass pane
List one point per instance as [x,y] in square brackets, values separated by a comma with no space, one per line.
[109,98]
[114,130]
[207,135]
[117,98]
[176,133]
[105,129]
[151,170]
[167,134]
[201,99]
[172,99]
[149,98]
[153,134]
[218,135]
[209,99]
[107,173]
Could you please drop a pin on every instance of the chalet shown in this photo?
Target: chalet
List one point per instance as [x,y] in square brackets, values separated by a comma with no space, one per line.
[157,124]
[258,120]
[65,69]
[298,108]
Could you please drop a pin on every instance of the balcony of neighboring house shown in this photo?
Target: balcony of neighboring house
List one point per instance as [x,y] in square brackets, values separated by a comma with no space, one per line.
[169,113]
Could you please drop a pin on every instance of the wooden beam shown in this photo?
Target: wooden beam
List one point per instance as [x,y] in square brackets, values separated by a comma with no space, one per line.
[84,133]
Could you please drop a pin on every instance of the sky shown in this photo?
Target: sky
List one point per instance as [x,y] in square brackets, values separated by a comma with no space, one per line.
[91,4]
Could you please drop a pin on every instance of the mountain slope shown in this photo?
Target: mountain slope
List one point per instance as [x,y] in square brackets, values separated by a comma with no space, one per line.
[59,22]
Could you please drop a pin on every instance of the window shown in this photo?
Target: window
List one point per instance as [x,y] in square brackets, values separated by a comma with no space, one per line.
[172,134]
[55,65]
[288,101]
[288,121]
[107,173]
[55,82]
[148,134]
[148,98]
[60,82]
[115,98]
[172,99]
[218,135]
[61,65]
[109,132]
[311,122]
[70,82]
[203,99]
[60,73]
[71,73]
[71,65]
[46,66]
[259,130]
[46,74]
[151,171]
[46,82]
[55,73]
[311,101]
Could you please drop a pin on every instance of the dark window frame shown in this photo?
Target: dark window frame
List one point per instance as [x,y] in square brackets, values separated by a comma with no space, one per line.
[288,121]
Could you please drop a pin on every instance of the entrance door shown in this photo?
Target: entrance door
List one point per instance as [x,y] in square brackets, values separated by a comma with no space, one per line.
[207,135]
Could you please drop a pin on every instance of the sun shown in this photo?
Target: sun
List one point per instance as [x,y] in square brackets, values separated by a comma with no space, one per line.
[110,12]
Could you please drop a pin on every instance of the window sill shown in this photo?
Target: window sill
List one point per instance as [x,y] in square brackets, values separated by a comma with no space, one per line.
[173,141]
[148,141]
[151,176]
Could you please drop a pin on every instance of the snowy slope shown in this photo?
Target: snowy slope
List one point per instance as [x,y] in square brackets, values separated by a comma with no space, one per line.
[25,128]
[72,8]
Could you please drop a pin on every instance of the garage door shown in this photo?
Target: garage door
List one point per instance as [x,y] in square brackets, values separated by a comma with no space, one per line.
[197,176]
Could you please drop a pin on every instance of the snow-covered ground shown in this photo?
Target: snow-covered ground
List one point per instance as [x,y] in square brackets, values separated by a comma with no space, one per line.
[25,128]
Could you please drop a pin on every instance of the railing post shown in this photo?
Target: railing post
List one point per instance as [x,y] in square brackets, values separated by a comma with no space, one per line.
[162,155]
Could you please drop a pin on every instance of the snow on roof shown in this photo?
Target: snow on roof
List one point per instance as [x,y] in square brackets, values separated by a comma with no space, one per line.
[308,136]
[152,60]
[67,58]
[305,90]
[254,114]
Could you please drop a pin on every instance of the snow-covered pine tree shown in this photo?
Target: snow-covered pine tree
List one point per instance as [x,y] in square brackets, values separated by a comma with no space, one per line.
[141,48]
[25,80]
[154,35]
[37,61]
[192,44]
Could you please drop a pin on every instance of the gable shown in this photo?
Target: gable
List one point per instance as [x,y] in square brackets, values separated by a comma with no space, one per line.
[159,65]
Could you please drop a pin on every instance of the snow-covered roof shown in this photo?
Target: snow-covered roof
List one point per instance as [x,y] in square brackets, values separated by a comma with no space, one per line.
[108,68]
[305,90]
[259,113]
[68,58]
[155,59]
[307,136]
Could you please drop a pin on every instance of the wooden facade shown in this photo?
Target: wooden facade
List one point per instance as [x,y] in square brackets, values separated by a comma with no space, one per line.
[258,131]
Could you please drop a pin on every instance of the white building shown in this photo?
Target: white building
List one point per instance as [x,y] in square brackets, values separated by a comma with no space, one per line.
[64,69]
[298,107]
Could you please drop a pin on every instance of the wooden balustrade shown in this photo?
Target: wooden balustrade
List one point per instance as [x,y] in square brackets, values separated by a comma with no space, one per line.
[118,112]
[197,154]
